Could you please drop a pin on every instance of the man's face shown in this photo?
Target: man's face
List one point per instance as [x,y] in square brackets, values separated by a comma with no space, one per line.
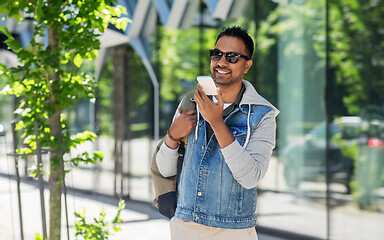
[224,73]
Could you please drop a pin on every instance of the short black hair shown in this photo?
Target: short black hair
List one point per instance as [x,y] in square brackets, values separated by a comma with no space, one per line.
[241,33]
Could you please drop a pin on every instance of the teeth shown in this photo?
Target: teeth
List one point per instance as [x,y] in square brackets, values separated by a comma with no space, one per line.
[221,72]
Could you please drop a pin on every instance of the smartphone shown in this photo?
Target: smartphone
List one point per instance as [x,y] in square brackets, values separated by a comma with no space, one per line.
[209,86]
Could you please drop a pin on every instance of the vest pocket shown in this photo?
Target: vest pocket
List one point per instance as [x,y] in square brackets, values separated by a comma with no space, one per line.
[236,200]
[239,133]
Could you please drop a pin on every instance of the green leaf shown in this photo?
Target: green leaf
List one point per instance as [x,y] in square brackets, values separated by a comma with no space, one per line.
[83,137]
[116,229]
[98,155]
[121,204]
[11,42]
[78,60]
[5,31]
[38,236]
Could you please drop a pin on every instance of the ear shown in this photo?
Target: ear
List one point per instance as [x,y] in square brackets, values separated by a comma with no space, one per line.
[248,65]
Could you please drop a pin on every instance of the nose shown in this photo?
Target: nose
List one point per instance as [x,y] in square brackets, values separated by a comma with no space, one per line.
[222,62]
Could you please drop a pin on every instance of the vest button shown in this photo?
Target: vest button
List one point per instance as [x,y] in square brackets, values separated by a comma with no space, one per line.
[199,194]
[202,147]
[197,218]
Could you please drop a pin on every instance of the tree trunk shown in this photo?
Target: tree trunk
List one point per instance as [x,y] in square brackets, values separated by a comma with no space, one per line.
[55,177]
[55,187]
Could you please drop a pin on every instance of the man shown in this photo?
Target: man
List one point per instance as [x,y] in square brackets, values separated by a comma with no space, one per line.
[230,142]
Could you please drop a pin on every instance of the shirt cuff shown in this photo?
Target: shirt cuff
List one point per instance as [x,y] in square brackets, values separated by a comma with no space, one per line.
[232,150]
[166,160]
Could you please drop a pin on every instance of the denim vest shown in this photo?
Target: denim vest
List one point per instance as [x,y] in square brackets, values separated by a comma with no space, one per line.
[207,192]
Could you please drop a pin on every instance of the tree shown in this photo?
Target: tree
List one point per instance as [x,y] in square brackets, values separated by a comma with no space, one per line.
[356,54]
[179,57]
[355,48]
[49,80]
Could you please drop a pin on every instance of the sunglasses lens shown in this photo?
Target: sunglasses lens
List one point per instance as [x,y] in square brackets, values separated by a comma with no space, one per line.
[232,57]
[215,54]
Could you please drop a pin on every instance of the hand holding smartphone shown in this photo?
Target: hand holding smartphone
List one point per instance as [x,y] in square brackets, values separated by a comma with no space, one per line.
[209,86]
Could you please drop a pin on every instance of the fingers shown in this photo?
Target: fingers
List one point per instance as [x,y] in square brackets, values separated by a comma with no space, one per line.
[202,94]
[192,122]
[190,112]
[219,97]
[210,110]
[182,128]
[197,96]
[186,121]
[191,118]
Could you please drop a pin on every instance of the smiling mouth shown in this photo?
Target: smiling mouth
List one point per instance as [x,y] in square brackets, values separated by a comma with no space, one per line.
[221,71]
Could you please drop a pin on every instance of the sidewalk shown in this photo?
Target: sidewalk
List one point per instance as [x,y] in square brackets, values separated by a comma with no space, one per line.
[141,221]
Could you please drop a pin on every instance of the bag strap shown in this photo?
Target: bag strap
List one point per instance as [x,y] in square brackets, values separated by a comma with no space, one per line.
[180,158]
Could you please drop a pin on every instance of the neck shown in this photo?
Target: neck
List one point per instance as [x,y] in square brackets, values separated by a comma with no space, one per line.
[231,92]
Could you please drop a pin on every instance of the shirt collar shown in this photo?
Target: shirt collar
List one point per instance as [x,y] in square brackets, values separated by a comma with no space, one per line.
[230,108]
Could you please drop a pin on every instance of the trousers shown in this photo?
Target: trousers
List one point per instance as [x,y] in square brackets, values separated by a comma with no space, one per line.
[183,230]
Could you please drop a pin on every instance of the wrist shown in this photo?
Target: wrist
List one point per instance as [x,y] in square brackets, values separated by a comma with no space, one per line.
[170,136]
[217,123]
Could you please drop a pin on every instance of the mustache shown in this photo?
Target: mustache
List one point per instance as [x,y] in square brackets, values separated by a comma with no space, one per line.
[222,69]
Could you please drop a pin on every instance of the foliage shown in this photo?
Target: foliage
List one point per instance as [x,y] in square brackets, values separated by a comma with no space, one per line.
[356,52]
[85,157]
[4,101]
[75,23]
[348,150]
[100,229]
[355,47]
[39,236]
[179,58]
[48,80]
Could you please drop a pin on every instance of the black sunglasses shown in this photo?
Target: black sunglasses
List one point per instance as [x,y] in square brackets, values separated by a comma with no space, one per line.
[231,57]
